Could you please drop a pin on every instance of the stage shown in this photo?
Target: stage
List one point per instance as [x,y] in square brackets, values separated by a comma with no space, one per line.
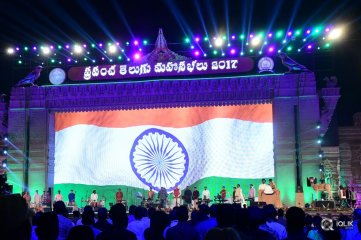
[37,115]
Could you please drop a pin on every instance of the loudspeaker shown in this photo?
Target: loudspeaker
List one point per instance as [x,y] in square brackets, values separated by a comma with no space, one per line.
[325,204]
[258,204]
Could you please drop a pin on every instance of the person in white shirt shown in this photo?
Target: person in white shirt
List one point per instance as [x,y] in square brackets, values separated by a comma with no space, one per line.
[94,198]
[239,195]
[58,197]
[266,189]
[37,199]
[206,196]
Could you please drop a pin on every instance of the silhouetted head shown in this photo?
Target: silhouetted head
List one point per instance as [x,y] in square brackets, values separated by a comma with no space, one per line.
[295,219]
[48,226]
[81,232]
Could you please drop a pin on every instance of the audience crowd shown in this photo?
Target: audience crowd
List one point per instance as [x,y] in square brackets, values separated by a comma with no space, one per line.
[222,221]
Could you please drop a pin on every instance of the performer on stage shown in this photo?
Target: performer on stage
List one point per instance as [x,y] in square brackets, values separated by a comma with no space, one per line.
[195,197]
[239,195]
[43,198]
[234,195]
[27,198]
[272,185]
[223,194]
[119,196]
[266,189]
[176,193]
[71,198]
[37,199]
[162,196]
[94,198]
[251,193]
[58,197]
[150,194]
[188,197]
[206,195]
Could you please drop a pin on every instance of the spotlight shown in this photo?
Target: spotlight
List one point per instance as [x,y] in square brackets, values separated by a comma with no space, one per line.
[335,33]
[4,165]
[218,42]
[256,41]
[233,51]
[145,42]
[46,50]
[135,42]
[319,140]
[10,51]
[6,139]
[78,49]
[112,49]
[197,39]
[308,31]
[309,46]
[289,33]
[271,49]
[318,125]
[196,53]
[320,154]
[270,35]
[136,56]
[5,151]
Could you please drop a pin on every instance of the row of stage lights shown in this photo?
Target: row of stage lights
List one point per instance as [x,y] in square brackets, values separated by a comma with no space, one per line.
[253,44]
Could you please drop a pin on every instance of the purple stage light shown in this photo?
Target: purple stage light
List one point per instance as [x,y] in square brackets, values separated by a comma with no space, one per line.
[136,43]
[51,47]
[196,53]
[136,56]
[289,33]
[17,48]
[308,31]
[67,46]
[100,44]
[233,51]
[270,35]
[34,48]
[117,43]
[251,35]
[103,58]
[327,29]
[69,60]
[309,46]
[197,39]
[233,37]
[84,45]
[271,49]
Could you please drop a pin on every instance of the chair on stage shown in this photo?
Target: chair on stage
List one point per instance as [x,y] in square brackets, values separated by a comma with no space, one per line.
[274,198]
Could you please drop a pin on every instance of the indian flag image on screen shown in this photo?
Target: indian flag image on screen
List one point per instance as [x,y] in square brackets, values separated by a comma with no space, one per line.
[153,148]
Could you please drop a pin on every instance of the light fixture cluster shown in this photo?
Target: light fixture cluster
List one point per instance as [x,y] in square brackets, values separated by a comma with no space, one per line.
[255,43]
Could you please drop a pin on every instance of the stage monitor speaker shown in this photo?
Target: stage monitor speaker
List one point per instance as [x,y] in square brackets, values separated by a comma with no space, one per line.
[325,204]
[258,204]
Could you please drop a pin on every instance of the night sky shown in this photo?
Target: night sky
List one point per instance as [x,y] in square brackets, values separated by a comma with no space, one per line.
[39,21]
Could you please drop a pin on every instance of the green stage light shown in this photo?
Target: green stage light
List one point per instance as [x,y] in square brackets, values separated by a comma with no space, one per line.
[93,45]
[215,52]
[127,43]
[26,48]
[205,39]
[109,43]
[20,62]
[327,45]
[120,57]
[186,40]
[52,61]
[289,48]
[298,32]
[145,42]
[279,34]
[224,37]
[251,50]
[241,36]
[85,59]
[59,46]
